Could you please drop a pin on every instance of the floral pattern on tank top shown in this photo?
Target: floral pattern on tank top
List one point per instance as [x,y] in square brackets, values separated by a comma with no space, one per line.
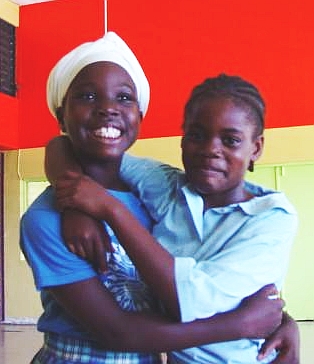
[124,281]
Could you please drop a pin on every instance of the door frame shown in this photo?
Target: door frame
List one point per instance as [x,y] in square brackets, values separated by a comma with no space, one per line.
[1,237]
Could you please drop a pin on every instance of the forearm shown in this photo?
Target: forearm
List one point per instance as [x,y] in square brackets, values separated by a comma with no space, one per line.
[146,253]
[116,329]
[59,158]
[160,336]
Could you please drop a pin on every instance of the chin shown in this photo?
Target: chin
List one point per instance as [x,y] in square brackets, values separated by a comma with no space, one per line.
[205,190]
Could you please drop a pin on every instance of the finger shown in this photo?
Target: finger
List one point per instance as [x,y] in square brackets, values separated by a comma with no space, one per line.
[63,184]
[63,193]
[62,204]
[72,248]
[100,255]
[271,292]
[282,358]
[86,245]
[283,303]
[66,202]
[106,241]
[66,187]
[80,250]
[76,248]
[72,174]
[271,289]
[269,345]
[279,302]
[68,176]
[266,290]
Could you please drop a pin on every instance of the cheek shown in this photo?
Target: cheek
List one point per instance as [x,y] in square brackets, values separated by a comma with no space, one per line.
[187,148]
[134,122]
[184,154]
[239,164]
[77,111]
[134,127]
[187,160]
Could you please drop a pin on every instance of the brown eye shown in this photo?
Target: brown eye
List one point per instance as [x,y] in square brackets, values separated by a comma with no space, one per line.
[194,135]
[230,141]
[86,96]
[126,97]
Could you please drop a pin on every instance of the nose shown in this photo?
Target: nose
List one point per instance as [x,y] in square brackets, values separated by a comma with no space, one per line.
[211,147]
[107,106]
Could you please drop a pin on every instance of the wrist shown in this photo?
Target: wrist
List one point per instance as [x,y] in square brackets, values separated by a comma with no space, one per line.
[235,325]
[113,211]
[244,327]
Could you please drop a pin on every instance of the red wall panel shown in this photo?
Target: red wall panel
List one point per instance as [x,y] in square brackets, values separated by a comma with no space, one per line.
[9,132]
[181,42]
[47,31]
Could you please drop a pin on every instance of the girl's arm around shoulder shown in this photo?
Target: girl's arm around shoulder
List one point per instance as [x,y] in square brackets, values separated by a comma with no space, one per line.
[116,329]
[60,158]
[153,181]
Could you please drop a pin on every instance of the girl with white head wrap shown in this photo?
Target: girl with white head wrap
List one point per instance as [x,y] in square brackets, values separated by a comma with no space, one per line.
[110,48]
[86,311]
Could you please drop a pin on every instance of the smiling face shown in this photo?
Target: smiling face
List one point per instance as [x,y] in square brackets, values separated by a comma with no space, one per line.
[100,112]
[218,144]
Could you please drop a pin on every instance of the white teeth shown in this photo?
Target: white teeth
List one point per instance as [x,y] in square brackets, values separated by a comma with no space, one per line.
[108,132]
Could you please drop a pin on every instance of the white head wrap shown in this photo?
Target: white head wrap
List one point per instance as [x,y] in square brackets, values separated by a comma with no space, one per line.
[109,48]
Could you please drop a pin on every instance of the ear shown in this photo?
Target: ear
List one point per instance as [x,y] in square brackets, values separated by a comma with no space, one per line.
[257,152]
[141,116]
[59,114]
[182,141]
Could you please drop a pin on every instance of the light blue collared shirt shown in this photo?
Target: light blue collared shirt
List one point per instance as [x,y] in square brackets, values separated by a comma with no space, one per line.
[222,255]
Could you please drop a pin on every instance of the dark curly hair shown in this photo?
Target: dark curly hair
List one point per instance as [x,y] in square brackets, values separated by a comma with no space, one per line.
[241,92]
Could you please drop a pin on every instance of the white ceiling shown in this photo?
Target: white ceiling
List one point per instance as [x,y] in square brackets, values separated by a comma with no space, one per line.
[26,2]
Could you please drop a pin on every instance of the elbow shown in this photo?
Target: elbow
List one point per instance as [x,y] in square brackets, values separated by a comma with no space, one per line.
[116,337]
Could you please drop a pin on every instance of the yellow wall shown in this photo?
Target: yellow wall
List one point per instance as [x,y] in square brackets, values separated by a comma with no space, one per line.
[9,12]
[21,300]
[289,145]
[286,145]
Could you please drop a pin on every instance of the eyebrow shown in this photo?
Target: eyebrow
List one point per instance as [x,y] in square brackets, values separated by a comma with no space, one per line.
[129,86]
[233,130]
[196,125]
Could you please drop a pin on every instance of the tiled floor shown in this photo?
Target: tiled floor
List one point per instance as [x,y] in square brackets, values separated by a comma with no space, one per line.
[18,343]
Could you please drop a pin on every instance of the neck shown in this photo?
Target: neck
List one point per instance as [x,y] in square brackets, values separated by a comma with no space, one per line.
[106,173]
[226,198]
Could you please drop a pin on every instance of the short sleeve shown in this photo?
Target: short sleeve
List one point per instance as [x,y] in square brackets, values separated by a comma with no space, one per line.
[51,262]
[154,182]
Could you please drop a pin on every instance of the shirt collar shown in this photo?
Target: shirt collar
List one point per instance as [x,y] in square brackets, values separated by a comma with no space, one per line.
[264,200]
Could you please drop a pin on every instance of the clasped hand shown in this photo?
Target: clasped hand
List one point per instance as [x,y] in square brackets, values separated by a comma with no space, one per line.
[78,197]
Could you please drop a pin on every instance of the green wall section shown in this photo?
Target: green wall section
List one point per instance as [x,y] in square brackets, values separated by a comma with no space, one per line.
[297,181]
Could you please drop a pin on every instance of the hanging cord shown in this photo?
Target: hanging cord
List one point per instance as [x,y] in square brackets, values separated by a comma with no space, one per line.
[106,15]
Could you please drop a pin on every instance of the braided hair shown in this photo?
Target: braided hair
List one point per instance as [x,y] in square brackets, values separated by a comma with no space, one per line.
[239,91]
